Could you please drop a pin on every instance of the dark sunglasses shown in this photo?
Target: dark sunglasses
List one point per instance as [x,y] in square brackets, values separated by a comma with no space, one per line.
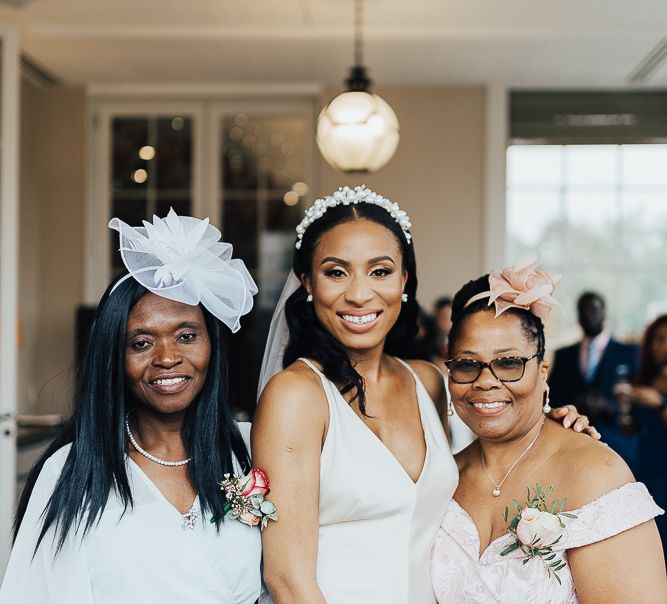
[504,369]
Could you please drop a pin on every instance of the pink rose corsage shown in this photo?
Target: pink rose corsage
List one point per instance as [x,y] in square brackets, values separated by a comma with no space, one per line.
[246,498]
[537,527]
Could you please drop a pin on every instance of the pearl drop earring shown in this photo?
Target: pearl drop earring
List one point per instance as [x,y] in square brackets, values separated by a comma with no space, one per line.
[309,298]
[547,407]
[404,297]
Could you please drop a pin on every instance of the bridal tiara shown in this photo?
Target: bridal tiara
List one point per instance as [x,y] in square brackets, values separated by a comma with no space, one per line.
[347,196]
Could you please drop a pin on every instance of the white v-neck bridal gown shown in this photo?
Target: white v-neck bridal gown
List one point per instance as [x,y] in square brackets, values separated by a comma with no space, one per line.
[376,524]
[144,556]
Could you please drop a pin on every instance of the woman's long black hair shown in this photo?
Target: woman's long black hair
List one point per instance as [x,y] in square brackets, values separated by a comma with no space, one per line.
[307,337]
[95,463]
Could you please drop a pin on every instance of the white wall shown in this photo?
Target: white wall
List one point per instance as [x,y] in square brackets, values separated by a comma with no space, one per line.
[29,249]
[51,243]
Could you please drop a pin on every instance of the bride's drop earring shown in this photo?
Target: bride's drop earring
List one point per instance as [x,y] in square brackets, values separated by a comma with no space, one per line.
[547,407]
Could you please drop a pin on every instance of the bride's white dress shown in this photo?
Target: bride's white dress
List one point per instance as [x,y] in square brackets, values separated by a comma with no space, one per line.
[144,556]
[376,524]
[461,575]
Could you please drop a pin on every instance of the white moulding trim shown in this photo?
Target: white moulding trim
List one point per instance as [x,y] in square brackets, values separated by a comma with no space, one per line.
[204,90]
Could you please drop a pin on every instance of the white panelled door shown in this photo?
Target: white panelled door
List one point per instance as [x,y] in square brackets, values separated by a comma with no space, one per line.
[9,177]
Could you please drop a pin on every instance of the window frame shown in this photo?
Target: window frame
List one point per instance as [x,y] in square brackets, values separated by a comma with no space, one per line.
[206,107]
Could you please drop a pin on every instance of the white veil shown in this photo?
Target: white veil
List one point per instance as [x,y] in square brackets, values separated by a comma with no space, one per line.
[276,342]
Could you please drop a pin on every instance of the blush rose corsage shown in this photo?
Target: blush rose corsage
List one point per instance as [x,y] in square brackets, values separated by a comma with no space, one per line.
[537,528]
[246,498]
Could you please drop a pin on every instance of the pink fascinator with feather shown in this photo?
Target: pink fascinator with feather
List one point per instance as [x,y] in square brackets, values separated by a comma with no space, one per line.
[521,286]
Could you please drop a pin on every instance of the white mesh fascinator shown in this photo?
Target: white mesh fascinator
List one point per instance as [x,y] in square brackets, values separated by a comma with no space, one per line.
[183,259]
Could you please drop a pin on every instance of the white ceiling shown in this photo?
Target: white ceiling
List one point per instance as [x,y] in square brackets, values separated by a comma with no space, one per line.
[428,42]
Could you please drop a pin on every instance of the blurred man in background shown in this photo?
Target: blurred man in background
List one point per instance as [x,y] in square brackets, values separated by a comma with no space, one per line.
[585,374]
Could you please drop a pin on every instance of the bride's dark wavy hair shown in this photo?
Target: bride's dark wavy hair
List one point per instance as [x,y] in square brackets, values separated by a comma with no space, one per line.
[308,338]
[95,464]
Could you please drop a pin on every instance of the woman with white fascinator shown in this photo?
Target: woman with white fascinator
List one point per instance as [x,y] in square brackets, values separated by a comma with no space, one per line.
[126,505]
[350,433]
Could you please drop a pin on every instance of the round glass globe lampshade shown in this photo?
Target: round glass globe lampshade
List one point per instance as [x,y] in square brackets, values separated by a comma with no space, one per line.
[357,132]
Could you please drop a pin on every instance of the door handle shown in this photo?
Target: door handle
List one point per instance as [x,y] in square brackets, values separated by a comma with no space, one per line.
[8,420]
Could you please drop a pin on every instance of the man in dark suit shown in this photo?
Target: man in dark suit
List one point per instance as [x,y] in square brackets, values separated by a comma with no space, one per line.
[585,373]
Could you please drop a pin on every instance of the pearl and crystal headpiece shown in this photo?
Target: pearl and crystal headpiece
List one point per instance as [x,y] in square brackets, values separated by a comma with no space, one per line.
[183,259]
[347,196]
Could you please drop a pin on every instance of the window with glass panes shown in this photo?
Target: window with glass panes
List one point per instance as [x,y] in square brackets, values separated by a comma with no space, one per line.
[597,214]
[587,189]
[151,169]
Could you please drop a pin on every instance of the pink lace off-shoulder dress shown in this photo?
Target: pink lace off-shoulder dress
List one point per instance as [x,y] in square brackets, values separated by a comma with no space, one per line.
[459,574]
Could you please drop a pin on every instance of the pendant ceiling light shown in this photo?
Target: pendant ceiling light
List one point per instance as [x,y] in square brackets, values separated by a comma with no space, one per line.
[357,131]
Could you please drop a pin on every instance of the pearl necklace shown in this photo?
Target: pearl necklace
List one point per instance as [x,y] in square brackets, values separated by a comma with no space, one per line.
[496,490]
[135,444]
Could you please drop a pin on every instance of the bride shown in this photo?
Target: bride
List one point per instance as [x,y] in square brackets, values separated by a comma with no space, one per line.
[348,431]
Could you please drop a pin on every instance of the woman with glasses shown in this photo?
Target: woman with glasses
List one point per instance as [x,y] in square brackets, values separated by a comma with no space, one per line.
[348,431]
[540,514]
